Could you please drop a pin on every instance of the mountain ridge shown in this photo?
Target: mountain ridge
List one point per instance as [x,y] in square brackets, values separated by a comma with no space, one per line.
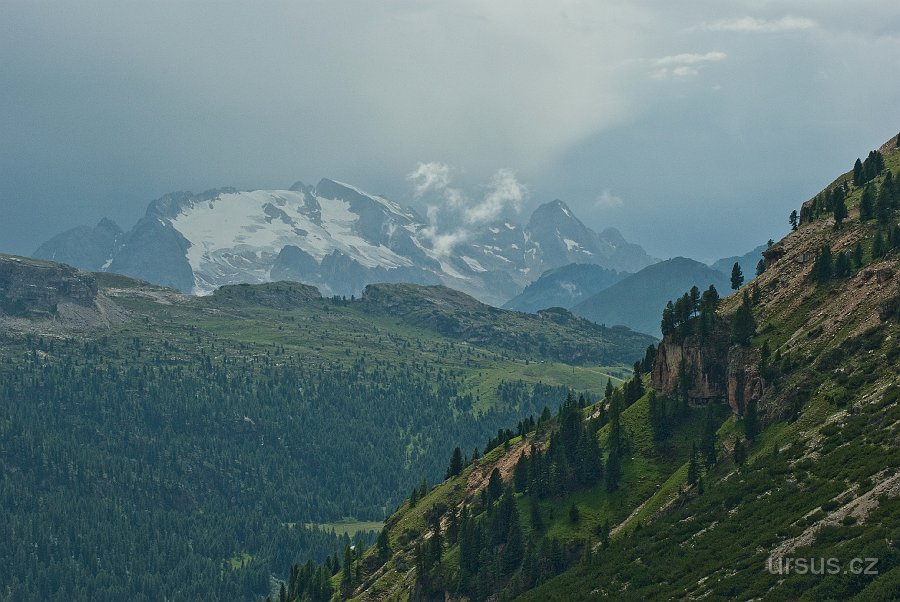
[335,236]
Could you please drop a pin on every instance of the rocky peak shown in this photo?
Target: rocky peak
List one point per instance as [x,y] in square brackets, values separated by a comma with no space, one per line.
[33,288]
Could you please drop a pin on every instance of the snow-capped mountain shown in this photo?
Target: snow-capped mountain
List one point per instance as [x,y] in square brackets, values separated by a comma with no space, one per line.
[336,237]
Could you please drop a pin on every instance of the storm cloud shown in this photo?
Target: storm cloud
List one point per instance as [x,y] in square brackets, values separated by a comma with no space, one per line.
[710,122]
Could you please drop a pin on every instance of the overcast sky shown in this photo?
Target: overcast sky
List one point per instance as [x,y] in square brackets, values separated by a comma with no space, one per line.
[693,127]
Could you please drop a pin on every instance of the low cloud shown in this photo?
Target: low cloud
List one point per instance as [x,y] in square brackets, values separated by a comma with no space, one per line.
[684,65]
[448,204]
[754,25]
[504,191]
[429,176]
[607,200]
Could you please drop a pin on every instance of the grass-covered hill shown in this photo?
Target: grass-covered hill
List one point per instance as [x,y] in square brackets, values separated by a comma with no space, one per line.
[159,446]
[756,458]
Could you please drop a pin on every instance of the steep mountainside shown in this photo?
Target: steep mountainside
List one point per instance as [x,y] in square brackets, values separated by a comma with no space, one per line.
[638,300]
[159,445]
[335,237]
[564,287]
[756,457]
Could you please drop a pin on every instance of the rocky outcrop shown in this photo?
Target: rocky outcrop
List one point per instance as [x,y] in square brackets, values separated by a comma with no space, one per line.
[33,288]
[717,372]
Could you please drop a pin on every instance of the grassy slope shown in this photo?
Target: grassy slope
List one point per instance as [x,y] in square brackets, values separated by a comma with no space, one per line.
[843,443]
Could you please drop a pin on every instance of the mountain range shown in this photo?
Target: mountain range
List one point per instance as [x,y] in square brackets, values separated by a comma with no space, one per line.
[336,237]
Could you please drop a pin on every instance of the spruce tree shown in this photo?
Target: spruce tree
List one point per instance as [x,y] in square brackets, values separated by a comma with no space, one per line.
[740,453]
[822,268]
[708,442]
[494,486]
[760,267]
[383,544]
[883,203]
[613,471]
[857,172]
[693,466]
[867,204]
[751,420]
[842,265]
[858,255]
[879,247]
[794,220]
[737,276]
[743,326]
[456,463]
[840,211]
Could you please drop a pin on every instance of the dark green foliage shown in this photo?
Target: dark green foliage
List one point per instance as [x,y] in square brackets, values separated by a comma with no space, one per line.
[708,441]
[613,471]
[839,208]
[823,268]
[456,463]
[383,545]
[574,514]
[867,204]
[760,267]
[751,420]
[794,220]
[740,452]
[494,486]
[667,325]
[869,169]
[649,359]
[737,276]
[743,325]
[879,246]
[842,265]
[693,467]
[858,255]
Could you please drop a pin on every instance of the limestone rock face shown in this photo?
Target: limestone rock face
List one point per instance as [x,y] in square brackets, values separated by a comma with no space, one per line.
[717,372]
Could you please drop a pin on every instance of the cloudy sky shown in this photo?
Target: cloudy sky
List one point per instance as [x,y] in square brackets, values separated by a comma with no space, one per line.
[693,127]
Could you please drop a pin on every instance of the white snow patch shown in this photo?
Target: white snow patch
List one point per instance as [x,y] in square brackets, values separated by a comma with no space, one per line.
[473,264]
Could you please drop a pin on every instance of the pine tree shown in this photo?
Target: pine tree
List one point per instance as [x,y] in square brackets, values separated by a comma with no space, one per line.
[708,442]
[383,544]
[883,202]
[537,523]
[609,388]
[842,265]
[760,267]
[613,471]
[494,486]
[456,463]
[858,255]
[879,247]
[822,268]
[520,473]
[751,420]
[857,172]
[667,325]
[649,358]
[867,204]
[737,276]
[743,326]
[740,454]
[794,220]
[693,466]
[839,210]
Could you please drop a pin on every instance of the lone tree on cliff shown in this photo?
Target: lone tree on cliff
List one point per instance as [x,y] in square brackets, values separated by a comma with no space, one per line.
[737,276]
[794,219]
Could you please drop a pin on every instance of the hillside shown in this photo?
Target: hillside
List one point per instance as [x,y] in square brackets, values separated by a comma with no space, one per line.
[206,432]
[755,457]
[564,287]
[638,300]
